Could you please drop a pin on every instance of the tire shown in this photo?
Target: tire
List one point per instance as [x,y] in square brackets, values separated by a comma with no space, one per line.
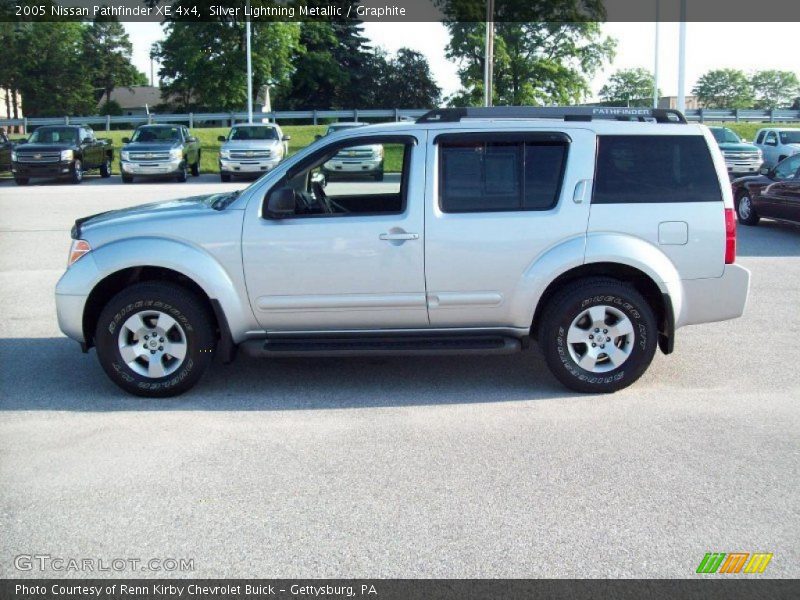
[225,177]
[616,305]
[105,168]
[174,314]
[183,174]
[196,167]
[21,180]
[127,178]
[379,176]
[76,176]
[745,212]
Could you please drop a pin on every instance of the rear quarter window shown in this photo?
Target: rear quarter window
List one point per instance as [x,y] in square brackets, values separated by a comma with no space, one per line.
[646,169]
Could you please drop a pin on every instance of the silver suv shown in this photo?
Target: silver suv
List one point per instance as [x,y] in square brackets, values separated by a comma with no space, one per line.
[493,228]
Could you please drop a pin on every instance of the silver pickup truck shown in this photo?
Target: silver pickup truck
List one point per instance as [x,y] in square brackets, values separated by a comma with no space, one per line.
[251,150]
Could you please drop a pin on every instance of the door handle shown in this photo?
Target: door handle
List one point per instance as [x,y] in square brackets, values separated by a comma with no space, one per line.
[581,187]
[396,237]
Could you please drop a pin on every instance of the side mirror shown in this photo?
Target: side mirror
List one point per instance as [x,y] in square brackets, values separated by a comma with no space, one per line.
[279,204]
[286,138]
[191,138]
[221,138]
[318,136]
[126,140]
[764,170]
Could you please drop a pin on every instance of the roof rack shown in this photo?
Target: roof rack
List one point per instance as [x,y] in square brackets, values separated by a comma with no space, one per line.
[567,113]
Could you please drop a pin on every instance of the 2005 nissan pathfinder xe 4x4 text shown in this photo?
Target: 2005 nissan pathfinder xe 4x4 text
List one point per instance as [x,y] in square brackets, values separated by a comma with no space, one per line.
[596,232]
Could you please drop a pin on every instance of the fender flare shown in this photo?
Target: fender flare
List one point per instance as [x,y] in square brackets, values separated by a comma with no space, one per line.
[186,259]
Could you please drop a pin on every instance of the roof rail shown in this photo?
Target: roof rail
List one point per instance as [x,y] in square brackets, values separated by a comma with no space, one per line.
[567,113]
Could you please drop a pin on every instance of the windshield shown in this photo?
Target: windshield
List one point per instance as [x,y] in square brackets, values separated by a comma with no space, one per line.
[156,134]
[54,135]
[790,137]
[253,133]
[723,135]
[341,126]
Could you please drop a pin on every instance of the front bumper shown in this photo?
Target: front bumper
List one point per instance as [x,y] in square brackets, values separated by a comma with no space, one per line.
[72,291]
[354,165]
[53,169]
[170,167]
[247,166]
[715,298]
[743,166]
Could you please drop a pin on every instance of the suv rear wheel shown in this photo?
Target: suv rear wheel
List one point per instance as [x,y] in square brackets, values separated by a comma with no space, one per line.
[155,339]
[598,335]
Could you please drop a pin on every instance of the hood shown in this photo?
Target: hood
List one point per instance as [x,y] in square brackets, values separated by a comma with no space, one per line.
[251,145]
[794,146]
[145,212]
[741,147]
[150,146]
[751,180]
[30,148]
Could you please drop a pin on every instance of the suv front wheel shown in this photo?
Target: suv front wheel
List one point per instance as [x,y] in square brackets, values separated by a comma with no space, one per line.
[598,335]
[155,339]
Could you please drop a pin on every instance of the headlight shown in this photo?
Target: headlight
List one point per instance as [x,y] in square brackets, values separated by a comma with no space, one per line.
[378,152]
[67,154]
[225,153]
[176,153]
[78,249]
[13,156]
[125,155]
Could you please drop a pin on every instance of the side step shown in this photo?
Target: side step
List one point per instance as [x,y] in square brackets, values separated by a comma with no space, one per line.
[381,346]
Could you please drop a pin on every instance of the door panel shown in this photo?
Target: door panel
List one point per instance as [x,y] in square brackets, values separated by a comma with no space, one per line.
[475,262]
[340,272]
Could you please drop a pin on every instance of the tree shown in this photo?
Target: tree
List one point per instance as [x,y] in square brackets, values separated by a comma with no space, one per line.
[630,87]
[107,51]
[774,89]
[11,36]
[724,88]
[407,82]
[198,62]
[544,53]
[52,78]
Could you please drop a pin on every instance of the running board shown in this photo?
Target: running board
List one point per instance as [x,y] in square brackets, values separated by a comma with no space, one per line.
[381,346]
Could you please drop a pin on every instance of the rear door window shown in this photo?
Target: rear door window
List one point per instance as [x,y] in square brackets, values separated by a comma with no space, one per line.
[642,169]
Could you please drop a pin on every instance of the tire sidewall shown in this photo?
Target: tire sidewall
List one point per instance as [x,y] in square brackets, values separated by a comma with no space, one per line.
[195,326]
[645,341]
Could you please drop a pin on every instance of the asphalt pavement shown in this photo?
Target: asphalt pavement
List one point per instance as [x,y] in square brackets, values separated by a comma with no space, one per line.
[406,467]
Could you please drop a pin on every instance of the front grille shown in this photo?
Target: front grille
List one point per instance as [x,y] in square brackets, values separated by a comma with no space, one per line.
[355,154]
[149,156]
[245,154]
[741,155]
[38,157]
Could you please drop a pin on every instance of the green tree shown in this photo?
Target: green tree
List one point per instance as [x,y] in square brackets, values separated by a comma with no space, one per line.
[724,88]
[393,89]
[544,53]
[774,89]
[52,77]
[11,35]
[203,64]
[630,87]
[107,52]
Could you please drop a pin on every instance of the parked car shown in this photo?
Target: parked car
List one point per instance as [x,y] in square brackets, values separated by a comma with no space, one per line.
[777,143]
[365,160]
[741,158]
[61,151]
[507,225]
[251,149]
[160,151]
[774,193]
[5,152]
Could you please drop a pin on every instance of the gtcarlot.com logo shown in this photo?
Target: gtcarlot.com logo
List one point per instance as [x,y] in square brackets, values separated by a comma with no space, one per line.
[62,564]
[734,562]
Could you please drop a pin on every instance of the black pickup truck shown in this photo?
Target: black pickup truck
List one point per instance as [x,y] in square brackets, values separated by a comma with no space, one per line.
[5,152]
[61,151]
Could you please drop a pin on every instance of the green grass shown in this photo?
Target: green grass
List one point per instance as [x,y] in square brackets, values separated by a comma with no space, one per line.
[748,131]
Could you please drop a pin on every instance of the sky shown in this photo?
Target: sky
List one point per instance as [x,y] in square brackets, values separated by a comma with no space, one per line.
[708,46]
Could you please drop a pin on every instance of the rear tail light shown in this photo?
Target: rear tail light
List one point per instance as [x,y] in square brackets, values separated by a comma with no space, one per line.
[730,236]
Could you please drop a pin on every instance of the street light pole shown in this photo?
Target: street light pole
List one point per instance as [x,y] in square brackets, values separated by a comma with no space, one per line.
[682,59]
[488,67]
[249,69]
[655,69]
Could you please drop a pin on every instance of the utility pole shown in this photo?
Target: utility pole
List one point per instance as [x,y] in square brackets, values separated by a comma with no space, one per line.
[682,59]
[488,67]
[655,70]
[249,69]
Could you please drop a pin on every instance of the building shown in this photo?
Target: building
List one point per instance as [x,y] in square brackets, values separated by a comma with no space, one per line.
[135,100]
[7,110]
[672,102]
